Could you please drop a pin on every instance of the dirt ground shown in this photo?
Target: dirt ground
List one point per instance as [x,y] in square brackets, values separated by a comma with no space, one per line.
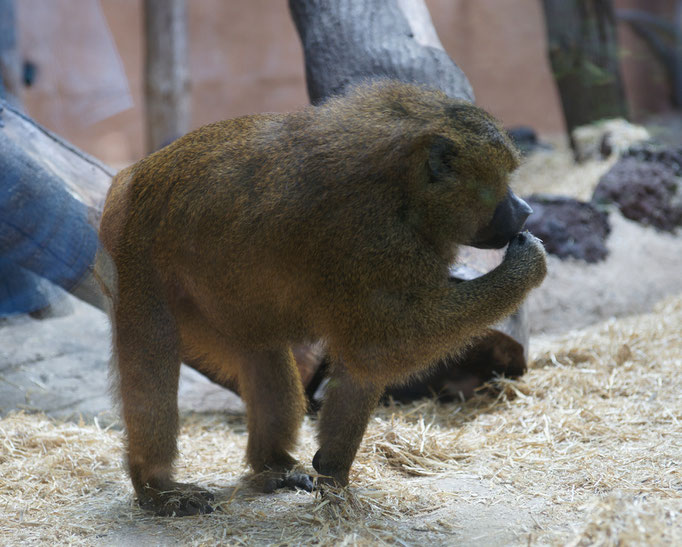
[583,450]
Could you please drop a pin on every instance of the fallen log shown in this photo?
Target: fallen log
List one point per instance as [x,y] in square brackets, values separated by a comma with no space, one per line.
[51,197]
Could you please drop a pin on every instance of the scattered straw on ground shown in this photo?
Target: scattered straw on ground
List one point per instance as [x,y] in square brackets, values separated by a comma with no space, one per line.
[584,450]
[556,172]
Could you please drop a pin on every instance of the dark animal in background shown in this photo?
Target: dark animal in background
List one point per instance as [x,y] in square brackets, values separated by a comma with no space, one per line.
[335,223]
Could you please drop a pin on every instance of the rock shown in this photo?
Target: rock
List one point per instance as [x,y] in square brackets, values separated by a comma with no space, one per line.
[646,185]
[526,139]
[602,139]
[458,378]
[651,153]
[568,227]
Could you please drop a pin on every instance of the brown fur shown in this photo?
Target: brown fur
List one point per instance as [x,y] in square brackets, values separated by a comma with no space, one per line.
[337,223]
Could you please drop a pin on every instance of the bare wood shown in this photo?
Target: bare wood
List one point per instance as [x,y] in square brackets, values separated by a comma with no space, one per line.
[167,98]
[66,189]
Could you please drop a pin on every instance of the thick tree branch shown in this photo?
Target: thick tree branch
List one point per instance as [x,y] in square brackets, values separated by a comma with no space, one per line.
[348,41]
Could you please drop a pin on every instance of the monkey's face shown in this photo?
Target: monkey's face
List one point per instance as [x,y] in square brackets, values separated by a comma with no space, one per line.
[469,162]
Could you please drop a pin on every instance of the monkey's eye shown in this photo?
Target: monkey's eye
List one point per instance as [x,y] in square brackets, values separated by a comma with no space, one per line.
[442,155]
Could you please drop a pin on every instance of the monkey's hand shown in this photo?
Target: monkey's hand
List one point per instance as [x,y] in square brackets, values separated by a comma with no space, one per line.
[526,257]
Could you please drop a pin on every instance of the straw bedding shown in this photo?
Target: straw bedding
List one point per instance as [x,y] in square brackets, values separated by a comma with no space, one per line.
[584,450]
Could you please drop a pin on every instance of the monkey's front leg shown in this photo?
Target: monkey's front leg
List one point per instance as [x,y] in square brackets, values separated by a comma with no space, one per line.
[347,407]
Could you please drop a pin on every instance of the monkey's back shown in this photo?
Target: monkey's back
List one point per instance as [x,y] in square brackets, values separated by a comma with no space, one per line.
[289,226]
[255,227]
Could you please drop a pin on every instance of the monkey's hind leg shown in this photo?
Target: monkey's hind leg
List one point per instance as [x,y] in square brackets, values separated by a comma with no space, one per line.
[148,362]
[271,387]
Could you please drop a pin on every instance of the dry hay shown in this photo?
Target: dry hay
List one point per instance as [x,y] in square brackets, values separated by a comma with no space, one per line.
[585,450]
[556,172]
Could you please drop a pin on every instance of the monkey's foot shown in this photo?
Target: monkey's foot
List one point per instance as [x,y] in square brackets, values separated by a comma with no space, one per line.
[293,479]
[329,474]
[180,500]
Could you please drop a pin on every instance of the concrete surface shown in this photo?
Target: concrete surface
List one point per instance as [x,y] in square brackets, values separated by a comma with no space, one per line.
[60,366]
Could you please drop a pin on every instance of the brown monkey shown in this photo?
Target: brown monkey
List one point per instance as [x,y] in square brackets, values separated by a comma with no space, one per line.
[335,223]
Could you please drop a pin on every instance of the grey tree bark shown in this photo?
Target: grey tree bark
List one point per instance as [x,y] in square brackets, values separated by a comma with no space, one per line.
[348,41]
[167,98]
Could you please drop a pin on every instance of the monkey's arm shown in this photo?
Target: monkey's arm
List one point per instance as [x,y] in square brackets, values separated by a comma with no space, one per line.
[425,327]
[452,315]
[485,300]
[408,331]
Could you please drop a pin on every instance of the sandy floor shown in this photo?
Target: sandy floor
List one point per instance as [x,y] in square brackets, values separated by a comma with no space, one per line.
[584,451]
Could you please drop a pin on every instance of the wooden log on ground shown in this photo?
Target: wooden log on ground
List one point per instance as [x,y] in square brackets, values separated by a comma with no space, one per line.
[51,197]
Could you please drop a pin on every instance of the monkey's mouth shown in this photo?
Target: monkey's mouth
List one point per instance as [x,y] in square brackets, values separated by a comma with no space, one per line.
[508,219]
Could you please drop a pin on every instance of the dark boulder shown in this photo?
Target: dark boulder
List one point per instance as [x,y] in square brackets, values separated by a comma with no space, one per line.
[646,186]
[568,227]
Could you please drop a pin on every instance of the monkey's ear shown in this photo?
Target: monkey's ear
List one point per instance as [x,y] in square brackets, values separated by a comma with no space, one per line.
[441,160]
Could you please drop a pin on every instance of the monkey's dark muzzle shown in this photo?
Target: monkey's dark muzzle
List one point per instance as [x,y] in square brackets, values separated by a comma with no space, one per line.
[508,219]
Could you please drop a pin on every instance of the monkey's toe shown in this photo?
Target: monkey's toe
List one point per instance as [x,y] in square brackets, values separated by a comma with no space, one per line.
[293,480]
[300,481]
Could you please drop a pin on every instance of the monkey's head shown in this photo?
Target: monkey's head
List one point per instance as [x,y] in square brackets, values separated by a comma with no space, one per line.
[455,160]
[470,158]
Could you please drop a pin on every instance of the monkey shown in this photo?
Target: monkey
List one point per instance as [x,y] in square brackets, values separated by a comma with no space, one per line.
[337,222]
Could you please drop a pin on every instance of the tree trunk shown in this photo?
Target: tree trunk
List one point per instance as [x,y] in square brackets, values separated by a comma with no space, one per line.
[348,41]
[167,99]
[583,52]
[664,37]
